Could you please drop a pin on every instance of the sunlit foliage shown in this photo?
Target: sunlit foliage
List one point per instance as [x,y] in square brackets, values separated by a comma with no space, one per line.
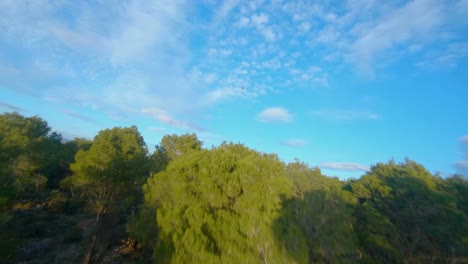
[217,206]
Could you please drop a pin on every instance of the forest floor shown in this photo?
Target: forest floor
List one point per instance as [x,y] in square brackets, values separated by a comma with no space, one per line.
[63,233]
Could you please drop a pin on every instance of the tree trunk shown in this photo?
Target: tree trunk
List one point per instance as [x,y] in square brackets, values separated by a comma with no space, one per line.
[89,252]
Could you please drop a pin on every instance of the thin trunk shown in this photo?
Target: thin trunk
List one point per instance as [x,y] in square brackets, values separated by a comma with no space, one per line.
[100,211]
[89,252]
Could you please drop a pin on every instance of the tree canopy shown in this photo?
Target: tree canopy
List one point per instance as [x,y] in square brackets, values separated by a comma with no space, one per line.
[188,204]
[173,146]
[115,162]
[216,206]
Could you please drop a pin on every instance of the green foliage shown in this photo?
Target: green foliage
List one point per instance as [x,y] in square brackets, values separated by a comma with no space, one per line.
[22,141]
[32,156]
[316,224]
[142,227]
[113,166]
[217,206]
[221,205]
[402,211]
[176,146]
[173,146]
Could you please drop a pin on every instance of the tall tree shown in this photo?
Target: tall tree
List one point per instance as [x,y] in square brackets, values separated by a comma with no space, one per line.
[316,223]
[114,164]
[217,206]
[402,212]
[26,151]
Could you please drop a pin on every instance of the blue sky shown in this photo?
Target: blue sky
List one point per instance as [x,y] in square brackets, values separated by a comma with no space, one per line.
[338,84]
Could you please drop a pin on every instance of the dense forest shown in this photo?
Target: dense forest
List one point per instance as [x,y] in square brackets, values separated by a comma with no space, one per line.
[111,200]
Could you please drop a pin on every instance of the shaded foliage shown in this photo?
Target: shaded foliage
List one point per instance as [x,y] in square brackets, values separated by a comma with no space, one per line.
[403,211]
[109,170]
[26,150]
[316,224]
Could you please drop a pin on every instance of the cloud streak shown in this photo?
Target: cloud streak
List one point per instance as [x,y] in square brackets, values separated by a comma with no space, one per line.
[345,115]
[413,20]
[343,166]
[77,115]
[11,107]
[295,142]
[167,119]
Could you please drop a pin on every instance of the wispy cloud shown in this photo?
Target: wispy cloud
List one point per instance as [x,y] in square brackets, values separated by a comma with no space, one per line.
[313,76]
[165,118]
[159,130]
[228,92]
[260,21]
[295,142]
[343,166]
[77,115]
[447,57]
[11,107]
[275,114]
[348,115]
[413,20]
[96,56]
[120,56]
[224,9]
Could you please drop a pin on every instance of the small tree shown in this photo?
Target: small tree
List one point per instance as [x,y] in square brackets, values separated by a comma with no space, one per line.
[111,168]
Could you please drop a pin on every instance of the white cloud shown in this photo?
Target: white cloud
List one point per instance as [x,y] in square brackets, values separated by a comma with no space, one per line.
[259,19]
[120,56]
[413,20]
[295,142]
[224,10]
[243,21]
[219,52]
[210,78]
[343,166]
[275,114]
[304,27]
[447,57]
[268,33]
[165,118]
[310,77]
[336,114]
[328,35]
[224,93]
[115,57]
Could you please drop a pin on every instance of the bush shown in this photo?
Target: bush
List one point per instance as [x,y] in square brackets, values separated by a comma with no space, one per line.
[74,205]
[57,202]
